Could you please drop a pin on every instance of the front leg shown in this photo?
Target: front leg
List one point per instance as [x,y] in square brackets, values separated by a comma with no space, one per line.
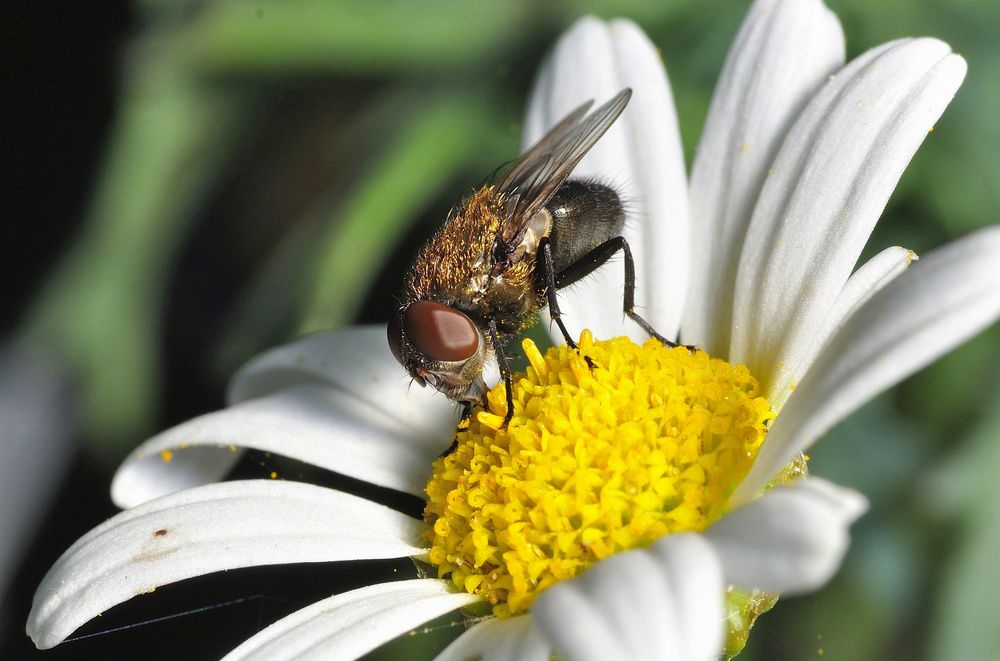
[504,371]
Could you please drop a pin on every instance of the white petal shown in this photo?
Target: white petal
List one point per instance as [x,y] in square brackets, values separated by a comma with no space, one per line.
[347,406]
[512,639]
[36,447]
[938,303]
[352,624]
[316,424]
[640,155]
[664,602]
[357,361]
[782,54]
[791,540]
[831,180]
[209,529]
[875,274]
[692,573]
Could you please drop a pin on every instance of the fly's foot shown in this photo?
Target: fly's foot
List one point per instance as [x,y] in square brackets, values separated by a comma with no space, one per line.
[451,448]
[669,343]
[690,347]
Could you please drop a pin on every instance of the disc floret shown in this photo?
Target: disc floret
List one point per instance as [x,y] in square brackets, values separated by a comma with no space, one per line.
[646,442]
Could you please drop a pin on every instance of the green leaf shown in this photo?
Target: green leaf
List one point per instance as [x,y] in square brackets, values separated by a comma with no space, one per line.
[100,310]
[351,35]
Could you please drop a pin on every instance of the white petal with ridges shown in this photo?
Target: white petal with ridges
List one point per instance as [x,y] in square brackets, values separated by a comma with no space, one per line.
[316,424]
[875,274]
[209,529]
[941,301]
[831,180]
[663,602]
[640,155]
[352,624]
[357,361]
[784,51]
[698,602]
[790,540]
[511,639]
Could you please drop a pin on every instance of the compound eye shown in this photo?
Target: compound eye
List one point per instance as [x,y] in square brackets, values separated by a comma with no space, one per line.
[395,335]
[440,332]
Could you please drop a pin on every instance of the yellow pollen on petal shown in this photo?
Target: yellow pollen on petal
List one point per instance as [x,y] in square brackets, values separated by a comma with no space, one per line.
[599,457]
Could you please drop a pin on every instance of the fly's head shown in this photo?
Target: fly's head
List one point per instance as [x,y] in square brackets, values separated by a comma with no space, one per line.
[440,346]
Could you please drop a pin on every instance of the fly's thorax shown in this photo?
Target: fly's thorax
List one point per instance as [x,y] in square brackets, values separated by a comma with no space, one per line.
[514,295]
[460,265]
[455,263]
[523,247]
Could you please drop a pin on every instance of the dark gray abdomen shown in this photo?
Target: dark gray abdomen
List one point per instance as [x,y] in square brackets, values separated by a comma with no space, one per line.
[585,214]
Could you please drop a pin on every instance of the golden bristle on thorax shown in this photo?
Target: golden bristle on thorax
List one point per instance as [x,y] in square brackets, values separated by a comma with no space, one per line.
[455,266]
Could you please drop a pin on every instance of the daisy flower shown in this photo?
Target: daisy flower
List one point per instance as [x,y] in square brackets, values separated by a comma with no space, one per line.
[623,502]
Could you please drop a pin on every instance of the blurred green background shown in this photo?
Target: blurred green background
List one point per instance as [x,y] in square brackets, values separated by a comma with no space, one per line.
[262,169]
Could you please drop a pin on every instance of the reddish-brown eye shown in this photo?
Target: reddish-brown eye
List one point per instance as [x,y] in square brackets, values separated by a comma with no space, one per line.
[439,332]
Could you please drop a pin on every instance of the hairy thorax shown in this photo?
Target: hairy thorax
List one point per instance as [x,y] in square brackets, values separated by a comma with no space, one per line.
[457,266]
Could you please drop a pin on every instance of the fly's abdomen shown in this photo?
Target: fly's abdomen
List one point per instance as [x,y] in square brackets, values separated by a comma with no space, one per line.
[585,214]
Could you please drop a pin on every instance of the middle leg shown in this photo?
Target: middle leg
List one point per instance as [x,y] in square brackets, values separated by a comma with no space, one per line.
[549,272]
[597,257]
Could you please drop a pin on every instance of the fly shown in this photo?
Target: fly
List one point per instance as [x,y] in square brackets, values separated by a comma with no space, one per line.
[504,254]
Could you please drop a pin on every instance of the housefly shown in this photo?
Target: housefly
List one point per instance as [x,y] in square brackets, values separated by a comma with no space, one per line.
[503,255]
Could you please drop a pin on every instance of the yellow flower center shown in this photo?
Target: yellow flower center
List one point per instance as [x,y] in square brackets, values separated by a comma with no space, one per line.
[649,441]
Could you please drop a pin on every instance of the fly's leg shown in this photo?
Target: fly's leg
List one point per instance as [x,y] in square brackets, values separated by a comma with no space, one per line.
[545,251]
[504,371]
[463,426]
[598,256]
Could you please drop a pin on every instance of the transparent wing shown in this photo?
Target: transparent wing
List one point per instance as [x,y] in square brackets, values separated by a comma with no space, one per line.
[544,167]
[541,150]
